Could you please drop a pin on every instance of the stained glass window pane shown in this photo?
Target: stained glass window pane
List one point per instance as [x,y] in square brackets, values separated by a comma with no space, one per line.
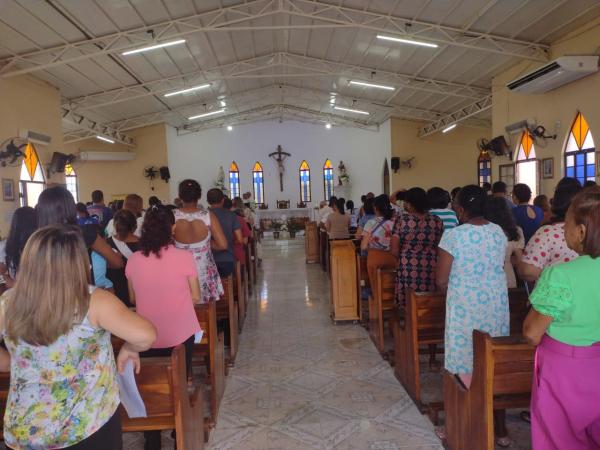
[589,141]
[234,180]
[258,184]
[570,161]
[571,172]
[571,143]
[305,194]
[591,158]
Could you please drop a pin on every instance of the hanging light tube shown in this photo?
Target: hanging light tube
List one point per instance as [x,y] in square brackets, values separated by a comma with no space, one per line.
[153,47]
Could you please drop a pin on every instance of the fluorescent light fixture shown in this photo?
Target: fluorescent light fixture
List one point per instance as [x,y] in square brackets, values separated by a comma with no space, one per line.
[372,85]
[153,47]
[357,111]
[449,128]
[328,126]
[211,113]
[229,128]
[185,91]
[105,139]
[407,41]
[223,104]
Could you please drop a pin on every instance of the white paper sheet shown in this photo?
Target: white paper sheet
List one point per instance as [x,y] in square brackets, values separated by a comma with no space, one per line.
[198,337]
[130,395]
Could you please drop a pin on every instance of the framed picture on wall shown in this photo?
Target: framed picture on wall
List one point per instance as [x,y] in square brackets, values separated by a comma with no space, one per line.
[548,168]
[8,190]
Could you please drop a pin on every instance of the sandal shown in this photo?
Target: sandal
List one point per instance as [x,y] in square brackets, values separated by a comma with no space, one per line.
[525,416]
[503,442]
[440,432]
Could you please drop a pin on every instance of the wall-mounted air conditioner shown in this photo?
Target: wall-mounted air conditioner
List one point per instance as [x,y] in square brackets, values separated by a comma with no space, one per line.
[555,74]
[106,156]
[519,127]
[35,137]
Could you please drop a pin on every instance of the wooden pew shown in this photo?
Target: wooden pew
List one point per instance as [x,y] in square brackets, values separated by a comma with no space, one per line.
[381,306]
[311,242]
[248,266]
[423,324]
[211,350]
[255,238]
[344,281]
[363,283]
[227,310]
[502,376]
[518,302]
[4,386]
[239,294]
[162,383]
[324,249]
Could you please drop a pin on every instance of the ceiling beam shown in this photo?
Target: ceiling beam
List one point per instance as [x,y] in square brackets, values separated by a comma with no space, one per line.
[267,66]
[279,94]
[239,18]
[95,128]
[457,116]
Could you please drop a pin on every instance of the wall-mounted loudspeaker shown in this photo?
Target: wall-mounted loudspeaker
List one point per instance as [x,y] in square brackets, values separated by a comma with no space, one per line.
[395,163]
[165,174]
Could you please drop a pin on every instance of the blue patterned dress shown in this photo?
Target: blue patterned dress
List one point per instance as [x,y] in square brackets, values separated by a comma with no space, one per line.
[477,296]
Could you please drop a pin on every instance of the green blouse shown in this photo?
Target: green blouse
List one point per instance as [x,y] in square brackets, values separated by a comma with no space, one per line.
[570,294]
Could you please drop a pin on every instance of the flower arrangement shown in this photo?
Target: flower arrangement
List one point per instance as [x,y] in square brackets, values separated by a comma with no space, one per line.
[343,175]
[220,181]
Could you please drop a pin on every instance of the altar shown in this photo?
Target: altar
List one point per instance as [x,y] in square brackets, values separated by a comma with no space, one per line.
[284,214]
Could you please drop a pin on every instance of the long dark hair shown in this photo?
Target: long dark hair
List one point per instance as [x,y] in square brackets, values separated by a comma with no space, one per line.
[497,211]
[566,189]
[472,199]
[56,206]
[382,204]
[23,225]
[157,230]
[340,203]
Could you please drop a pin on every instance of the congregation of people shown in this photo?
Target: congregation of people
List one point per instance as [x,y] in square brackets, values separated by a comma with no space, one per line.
[76,274]
[476,243]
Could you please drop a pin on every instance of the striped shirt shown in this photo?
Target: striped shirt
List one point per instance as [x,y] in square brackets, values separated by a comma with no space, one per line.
[448,217]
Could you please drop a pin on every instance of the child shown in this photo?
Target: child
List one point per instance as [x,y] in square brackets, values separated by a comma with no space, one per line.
[565,325]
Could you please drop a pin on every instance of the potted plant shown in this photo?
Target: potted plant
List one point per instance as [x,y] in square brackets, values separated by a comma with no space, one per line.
[276,227]
[293,227]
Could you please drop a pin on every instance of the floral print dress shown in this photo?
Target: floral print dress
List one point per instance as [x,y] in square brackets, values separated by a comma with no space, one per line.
[208,275]
[61,393]
[419,237]
[477,297]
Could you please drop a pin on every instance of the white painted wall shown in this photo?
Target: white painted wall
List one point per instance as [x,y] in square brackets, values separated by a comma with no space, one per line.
[199,155]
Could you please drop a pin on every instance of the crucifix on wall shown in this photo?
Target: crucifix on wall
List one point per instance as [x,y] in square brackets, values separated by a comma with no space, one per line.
[279,156]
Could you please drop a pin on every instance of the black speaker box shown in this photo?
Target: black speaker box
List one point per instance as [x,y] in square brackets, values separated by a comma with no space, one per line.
[165,174]
[395,163]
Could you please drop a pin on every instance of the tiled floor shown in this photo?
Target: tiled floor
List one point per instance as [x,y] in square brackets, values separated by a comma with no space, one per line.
[301,382]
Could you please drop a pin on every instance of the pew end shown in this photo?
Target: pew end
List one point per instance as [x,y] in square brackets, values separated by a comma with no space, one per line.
[502,377]
[382,307]
[162,383]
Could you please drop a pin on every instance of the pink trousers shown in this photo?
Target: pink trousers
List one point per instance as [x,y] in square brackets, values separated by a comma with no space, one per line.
[565,398]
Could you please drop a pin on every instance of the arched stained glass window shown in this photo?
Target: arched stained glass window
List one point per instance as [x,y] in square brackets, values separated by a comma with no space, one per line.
[328,180]
[484,168]
[258,182]
[304,182]
[32,182]
[234,180]
[71,181]
[580,151]
[526,165]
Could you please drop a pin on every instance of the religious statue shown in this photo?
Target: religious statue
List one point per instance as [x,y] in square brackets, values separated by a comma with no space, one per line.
[279,156]
[220,181]
[343,176]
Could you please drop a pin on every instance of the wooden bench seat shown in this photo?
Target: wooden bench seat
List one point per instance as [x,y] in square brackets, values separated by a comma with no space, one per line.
[162,383]
[239,294]
[381,306]
[227,309]
[502,376]
[211,351]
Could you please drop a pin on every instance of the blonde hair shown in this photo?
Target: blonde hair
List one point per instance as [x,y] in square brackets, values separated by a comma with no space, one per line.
[52,289]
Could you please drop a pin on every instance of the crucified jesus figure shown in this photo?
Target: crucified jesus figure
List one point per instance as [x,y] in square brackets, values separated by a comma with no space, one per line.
[279,156]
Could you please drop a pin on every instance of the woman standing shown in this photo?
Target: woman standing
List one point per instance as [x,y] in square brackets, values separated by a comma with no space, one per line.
[338,222]
[497,211]
[63,391]
[126,243]
[416,235]
[197,231]
[564,323]
[377,239]
[23,225]
[471,270]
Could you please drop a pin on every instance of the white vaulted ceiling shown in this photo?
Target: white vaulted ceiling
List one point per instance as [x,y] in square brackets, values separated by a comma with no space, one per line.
[275,58]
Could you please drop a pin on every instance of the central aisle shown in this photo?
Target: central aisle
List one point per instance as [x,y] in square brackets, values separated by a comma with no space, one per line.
[301,382]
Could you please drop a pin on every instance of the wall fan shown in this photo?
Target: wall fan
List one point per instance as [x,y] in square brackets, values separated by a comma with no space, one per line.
[150,172]
[10,151]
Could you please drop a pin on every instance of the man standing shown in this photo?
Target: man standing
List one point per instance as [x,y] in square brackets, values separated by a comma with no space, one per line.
[98,209]
[225,259]
[324,211]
